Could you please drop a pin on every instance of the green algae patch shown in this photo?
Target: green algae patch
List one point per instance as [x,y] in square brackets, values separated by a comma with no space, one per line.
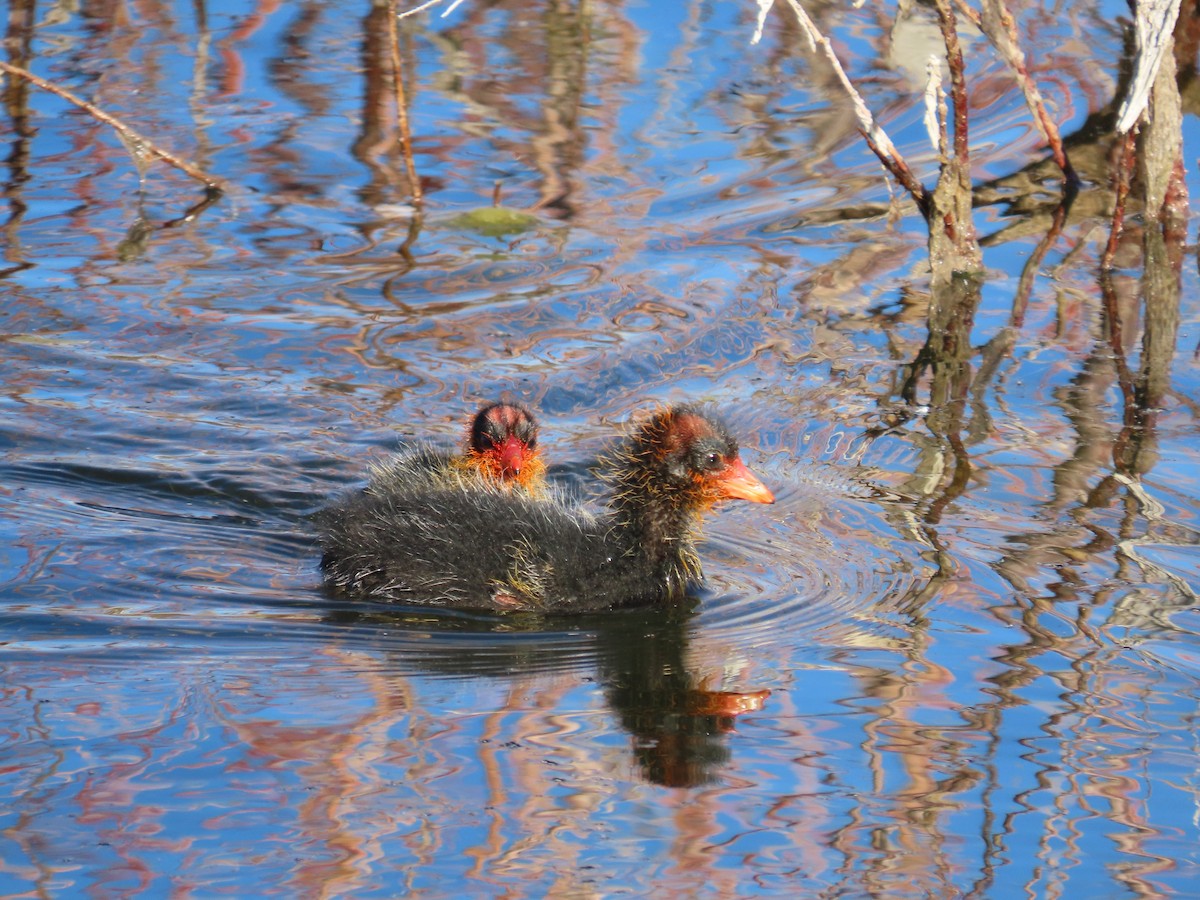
[495,221]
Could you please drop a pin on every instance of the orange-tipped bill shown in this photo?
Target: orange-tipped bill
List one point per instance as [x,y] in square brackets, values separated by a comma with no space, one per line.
[737,482]
[512,455]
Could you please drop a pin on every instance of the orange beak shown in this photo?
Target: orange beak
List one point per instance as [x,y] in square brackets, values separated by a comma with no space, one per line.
[738,483]
[512,457]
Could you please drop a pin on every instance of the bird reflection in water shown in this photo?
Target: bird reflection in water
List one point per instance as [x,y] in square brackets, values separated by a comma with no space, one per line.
[679,725]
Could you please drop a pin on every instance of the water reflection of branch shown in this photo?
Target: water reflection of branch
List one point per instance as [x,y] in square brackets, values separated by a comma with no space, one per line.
[1034,264]
[1107,467]
[292,72]
[1134,451]
[946,358]
[917,771]
[553,54]
[19,38]
[1122,180]
[137,235]
[1156,149]
[402,106]
[1001,344]
[373,141]
[1082,723]
[404,251]
[337,762]
[1155,155]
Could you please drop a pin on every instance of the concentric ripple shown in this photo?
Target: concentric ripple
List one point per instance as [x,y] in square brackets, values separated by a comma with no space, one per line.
[829,566]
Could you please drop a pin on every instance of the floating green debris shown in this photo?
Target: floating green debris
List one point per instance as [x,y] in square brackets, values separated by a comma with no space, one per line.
[495,221]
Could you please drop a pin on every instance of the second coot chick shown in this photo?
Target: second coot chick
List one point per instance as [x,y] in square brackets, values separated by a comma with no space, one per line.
[500,448]
[476,547]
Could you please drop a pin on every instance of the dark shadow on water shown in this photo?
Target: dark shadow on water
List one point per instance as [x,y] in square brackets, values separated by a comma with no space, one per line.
[677,726]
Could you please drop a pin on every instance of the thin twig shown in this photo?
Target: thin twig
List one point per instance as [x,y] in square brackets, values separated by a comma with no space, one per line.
[877,139]
[135,140]
[402,108]
[1123,176]
[998,24]
[953,247]
[958,80]
[416,9]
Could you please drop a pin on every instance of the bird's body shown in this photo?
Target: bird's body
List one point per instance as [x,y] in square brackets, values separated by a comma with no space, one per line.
[478,546]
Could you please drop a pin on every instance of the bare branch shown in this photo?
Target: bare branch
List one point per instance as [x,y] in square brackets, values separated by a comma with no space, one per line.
[135,141]
[417,9]
[454,4]
[1001,29]
[958,80]
[1153,28]
[877,139]
[1122,176]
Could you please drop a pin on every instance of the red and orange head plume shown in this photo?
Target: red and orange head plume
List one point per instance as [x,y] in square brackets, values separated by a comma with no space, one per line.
[502,446]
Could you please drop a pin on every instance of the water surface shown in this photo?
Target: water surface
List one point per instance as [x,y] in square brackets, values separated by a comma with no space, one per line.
[959,656]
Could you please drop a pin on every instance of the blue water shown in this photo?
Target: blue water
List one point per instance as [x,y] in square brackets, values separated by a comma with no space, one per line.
[893,683]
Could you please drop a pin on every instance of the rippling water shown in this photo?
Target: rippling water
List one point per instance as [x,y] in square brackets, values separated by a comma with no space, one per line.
[948,661]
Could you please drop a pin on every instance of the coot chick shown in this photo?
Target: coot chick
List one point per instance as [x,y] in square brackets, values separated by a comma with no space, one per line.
[500,448]
[475,546]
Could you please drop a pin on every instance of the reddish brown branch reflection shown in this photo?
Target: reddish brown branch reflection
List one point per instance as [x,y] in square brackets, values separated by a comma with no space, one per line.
[406,146]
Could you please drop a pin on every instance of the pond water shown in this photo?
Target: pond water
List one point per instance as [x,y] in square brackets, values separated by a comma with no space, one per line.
[959,656]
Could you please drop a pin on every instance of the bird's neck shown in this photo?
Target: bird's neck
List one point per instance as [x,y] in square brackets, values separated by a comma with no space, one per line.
[663,526]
